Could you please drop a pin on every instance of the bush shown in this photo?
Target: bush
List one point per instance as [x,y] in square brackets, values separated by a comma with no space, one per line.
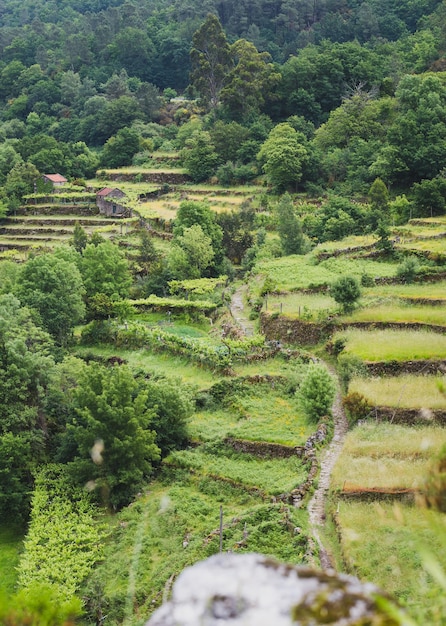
[356,407]
[346,291]
[408,269]
[317,392]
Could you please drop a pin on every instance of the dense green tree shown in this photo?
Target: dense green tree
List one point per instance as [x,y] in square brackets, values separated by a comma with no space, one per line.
[104,270]
[172,405]
[121,148]
[191,253]
[19,182]
[282,156]
[25,369]
[199,156]
[317,391]
[210,59]
[237,229]
[115,445]
[346,292]
[53,287]
[251,78]
[429,197]
[190,213]
[289,227]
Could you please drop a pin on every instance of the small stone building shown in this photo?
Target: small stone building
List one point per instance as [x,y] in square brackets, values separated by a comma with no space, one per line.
[56,180]
[108,202]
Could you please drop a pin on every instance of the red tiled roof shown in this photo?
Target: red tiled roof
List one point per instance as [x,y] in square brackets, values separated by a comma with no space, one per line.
[56,178]
[104,192]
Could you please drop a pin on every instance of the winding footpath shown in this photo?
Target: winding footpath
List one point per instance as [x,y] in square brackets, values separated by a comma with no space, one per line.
[317,505]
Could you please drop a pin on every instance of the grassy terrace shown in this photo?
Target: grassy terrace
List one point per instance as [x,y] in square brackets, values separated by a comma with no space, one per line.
[260,414]
[296,272]
[176,524]
[272,476]
[406,391]
[424,245]
[425,290]
[398,312]
[390,553]
[398,345]
[386,456]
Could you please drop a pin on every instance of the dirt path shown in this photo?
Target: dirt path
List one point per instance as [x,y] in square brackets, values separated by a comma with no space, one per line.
[238,312]
[316,506]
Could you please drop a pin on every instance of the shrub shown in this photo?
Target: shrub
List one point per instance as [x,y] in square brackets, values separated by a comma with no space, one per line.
[346,291]
[356,407]
[408,269]
[317,392]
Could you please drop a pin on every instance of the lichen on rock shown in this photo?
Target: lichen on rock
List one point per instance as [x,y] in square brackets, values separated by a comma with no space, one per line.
[253,590]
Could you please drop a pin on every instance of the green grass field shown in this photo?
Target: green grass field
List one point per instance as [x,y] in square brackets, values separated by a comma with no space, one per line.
[273,476]
[386,544]
[261,415]
[427,290]
[296,272]
[387,456]
[398,312]
[10,548]
[412,392]
[397,345]
[175,525]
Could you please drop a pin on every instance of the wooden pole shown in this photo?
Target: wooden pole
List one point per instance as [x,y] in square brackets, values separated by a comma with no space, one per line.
[221,528]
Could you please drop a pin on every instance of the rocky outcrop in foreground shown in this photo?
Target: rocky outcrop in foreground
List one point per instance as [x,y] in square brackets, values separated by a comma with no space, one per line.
[253,590]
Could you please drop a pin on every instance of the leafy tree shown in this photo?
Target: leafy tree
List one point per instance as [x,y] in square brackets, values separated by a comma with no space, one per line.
[199,156]
[282,156]
[190,213]
[317,392]
[292,239]
[53,286]
[191,253]
[172,405]
[120,149]
[19,182]
[429,197]
[237,236]
[80,238]
[346,291]
[104,270]
[249,81]
[210,59]
[25,369]
[379,197]
[112,432]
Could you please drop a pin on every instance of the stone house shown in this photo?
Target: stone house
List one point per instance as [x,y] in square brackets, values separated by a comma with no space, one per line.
[55,180]
[108,202]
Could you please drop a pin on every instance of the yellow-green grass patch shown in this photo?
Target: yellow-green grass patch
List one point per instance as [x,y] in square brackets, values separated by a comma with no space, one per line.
[406,391]
[389,344]
[353,241]
[385,544]
[386,456]
[159,363]
[424,245]
[295,272]
[300,304]
[273,476]
[264,417]
[398,312]
[425,290]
